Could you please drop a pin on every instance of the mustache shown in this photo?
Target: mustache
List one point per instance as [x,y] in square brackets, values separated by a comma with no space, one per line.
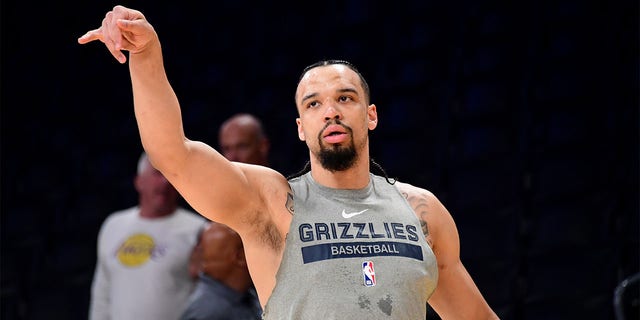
[321,142]
[332,122]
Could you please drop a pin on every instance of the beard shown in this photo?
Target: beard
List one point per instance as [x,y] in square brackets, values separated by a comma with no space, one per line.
[337,157]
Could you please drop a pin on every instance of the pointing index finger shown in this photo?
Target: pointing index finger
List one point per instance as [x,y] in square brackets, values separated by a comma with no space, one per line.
[90,36]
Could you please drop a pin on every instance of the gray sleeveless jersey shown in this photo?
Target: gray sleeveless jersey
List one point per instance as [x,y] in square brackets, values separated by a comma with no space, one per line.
[352,253]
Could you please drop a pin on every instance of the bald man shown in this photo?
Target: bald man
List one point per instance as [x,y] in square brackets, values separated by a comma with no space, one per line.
[225,289]
[242,139]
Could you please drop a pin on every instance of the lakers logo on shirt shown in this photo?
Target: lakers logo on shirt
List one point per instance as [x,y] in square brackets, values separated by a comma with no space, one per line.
[136,250]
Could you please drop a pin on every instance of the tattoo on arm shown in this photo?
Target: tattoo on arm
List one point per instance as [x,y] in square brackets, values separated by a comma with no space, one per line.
[289,203]
[419,204]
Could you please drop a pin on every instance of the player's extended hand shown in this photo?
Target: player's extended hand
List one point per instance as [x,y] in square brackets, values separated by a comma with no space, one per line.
[122,29]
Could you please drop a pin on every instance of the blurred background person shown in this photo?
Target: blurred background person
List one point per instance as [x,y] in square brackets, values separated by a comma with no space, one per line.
[144,254]
[242,138]
[225,289]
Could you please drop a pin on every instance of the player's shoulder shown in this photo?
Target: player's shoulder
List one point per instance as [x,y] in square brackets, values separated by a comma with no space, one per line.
[262,173]
[410,190]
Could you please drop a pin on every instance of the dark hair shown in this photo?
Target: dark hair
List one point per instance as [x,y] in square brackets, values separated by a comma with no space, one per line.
[321,63]
[376,168]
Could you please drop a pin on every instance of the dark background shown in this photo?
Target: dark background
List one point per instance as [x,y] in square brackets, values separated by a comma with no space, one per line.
[521,117]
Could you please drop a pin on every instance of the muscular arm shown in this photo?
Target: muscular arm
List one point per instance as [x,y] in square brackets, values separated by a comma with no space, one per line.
[456,296]
[213,186]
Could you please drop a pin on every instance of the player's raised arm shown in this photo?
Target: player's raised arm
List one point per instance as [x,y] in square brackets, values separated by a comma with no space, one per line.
[214,186]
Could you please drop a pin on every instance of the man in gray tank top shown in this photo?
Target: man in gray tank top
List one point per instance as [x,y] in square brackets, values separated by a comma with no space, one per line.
[334,243]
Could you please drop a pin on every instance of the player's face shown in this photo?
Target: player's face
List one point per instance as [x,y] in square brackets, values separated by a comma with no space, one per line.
[334,118]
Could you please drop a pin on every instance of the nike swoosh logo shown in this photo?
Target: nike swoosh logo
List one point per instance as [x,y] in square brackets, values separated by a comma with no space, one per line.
[351,214]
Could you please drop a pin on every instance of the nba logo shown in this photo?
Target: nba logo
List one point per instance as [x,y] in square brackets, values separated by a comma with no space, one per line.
[369,274]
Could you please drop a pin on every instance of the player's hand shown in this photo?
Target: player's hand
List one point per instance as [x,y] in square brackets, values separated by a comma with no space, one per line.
[122,29]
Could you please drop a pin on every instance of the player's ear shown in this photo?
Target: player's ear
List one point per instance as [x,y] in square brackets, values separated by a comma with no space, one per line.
[300,130]
[373,116]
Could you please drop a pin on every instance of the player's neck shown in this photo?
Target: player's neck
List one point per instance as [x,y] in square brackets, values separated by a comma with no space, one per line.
[356,177]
